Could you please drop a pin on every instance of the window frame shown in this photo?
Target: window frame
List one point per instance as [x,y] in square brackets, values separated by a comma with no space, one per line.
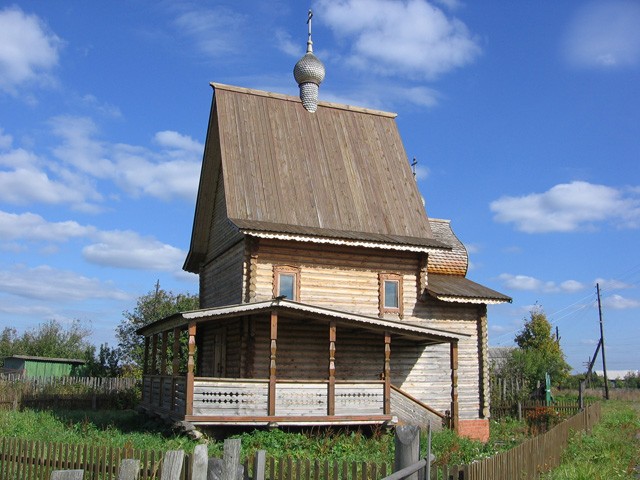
[279,270]
[383,309]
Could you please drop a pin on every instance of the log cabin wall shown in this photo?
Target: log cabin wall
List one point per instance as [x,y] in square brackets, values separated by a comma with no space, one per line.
[347,279]
[220,342]
[428,378]
[221,280]
[341,278]
[222,234]
[303,351]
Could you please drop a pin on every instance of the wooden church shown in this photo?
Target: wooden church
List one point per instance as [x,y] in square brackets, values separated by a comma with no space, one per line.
[327,295]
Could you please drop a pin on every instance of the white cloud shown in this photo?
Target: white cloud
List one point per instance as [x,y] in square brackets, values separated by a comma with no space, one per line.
[79,148]
[127,249]
[28,51]
[216,31]
[5,140]
[80,160]
[409,38]
[47,283]
[618,302]
[527,283]
[177,141]
[571,286]
[611,284]
[604,34]
[113,248]
[287,45]
[29,226]
[569,207]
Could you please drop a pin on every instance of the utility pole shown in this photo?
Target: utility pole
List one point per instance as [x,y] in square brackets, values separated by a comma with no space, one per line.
[604,360]
[557,336]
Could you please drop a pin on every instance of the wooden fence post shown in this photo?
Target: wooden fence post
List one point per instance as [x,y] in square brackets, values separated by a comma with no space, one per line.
[199,463]
[129,469]
[407,451]
[259,465]
[67,474]
[172,465]
[231,459]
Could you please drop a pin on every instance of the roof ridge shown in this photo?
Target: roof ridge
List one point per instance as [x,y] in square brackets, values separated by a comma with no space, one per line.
[291,98]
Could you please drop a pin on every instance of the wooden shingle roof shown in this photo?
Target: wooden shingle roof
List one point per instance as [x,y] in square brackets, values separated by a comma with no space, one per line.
[454,261]
[341,171]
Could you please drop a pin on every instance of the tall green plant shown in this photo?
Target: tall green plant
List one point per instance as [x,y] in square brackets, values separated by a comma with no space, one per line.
[154,305]
[538,352]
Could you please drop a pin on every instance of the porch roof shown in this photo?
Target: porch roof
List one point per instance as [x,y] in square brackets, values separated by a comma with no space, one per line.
[290,308]
[456,288]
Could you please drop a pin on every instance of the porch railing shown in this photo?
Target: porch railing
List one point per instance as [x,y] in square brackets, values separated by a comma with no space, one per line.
[225,397]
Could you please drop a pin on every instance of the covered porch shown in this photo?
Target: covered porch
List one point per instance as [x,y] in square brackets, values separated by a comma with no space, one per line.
[283,363]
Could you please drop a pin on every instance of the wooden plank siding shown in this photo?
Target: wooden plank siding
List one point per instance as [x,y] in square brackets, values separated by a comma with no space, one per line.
[221,280]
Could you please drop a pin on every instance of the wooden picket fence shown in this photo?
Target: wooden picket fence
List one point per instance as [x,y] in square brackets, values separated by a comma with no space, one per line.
[68,392]
[529,459]
[519,410]
[29,460]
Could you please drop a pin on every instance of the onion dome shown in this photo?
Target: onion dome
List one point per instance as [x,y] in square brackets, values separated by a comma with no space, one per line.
[309,73]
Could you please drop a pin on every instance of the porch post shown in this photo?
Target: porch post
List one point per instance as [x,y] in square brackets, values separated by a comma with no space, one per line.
[145,365]
[163,364]
[387,374]
[331,389]
[154,354]
[175,360]
[145,369]
[272,363]
[163,353]
[175,365]
[454,385]
[190,369]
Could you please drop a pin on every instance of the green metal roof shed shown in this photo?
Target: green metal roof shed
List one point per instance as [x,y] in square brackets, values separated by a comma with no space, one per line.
[42,366]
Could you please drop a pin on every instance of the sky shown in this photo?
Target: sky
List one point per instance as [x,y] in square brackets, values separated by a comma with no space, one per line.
[524,118]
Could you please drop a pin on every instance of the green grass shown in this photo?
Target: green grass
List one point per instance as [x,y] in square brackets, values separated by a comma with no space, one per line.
[127,428]
[610,452]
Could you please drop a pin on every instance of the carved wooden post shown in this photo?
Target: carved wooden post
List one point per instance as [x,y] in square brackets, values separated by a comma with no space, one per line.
[154,354]
[454,385]
[272,363]
[387,374]
[331,389]
[145,366]
[145,370]
[190,369]
[163,364]
[175,366]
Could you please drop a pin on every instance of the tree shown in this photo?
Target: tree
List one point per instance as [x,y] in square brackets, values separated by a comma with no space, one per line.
[105,364]
[150,307]
[538,352]
[49,339]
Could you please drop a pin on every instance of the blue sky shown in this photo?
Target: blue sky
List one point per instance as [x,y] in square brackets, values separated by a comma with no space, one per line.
[524,117]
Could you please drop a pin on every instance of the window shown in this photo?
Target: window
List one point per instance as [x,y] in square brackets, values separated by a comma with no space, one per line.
[286,282]
[390,300]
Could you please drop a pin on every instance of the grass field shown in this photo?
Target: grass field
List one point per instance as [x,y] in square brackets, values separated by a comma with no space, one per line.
[612,451]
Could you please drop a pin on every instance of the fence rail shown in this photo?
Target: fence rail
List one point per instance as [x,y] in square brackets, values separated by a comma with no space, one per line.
[529,459]
[520,410]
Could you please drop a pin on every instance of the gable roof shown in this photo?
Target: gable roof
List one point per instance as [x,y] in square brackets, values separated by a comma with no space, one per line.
[341,172]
